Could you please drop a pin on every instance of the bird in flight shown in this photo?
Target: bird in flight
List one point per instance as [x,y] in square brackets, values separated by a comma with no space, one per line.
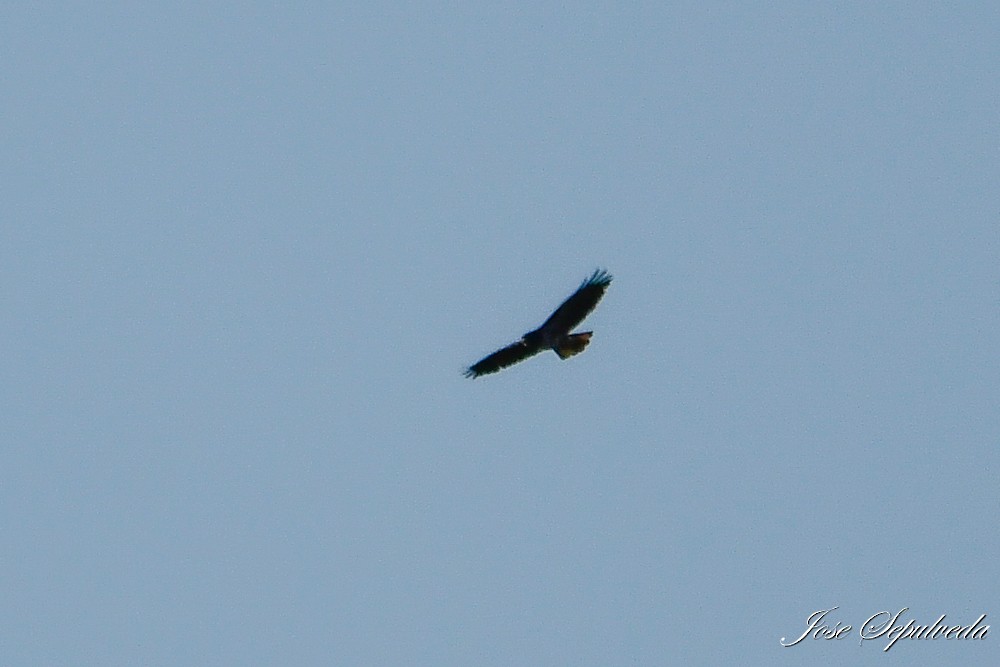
[554,333]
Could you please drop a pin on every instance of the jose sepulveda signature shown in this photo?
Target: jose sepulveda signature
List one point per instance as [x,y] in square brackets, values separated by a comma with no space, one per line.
[888,627]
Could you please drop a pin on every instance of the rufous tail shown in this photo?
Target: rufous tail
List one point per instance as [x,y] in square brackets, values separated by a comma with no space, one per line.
[573,344]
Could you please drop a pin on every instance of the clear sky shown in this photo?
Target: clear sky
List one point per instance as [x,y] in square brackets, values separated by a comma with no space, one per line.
[247,250]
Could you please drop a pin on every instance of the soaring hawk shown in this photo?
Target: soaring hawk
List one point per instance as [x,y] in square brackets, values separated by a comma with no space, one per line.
[554,333]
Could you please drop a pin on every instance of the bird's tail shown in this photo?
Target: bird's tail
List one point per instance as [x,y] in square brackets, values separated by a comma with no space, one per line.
[573,344]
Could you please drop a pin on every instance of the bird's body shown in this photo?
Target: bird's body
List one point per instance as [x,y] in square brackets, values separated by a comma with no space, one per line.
[555,333]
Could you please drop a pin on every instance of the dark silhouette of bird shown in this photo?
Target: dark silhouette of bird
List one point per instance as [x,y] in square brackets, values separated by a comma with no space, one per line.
[555,333]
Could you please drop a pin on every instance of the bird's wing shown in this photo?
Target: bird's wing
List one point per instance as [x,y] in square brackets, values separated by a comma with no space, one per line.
[578,306]
[503,358]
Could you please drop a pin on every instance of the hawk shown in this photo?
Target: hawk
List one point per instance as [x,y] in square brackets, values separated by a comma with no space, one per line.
[554,333]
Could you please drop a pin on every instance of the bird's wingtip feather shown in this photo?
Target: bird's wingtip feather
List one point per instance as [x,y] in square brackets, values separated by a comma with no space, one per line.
[600,277]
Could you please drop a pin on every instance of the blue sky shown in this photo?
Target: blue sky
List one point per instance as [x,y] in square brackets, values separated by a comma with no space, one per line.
[249,249]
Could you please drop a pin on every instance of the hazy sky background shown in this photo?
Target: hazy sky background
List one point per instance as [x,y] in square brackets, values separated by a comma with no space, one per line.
[248,249]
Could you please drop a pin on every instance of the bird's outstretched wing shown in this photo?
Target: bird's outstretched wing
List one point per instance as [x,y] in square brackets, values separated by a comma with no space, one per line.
[503,358]
[574,309]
